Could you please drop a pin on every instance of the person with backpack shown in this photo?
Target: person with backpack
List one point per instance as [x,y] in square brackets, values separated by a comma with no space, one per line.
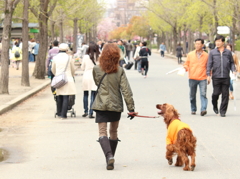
[88,84]
[16,55]
[143,54]
[129,48]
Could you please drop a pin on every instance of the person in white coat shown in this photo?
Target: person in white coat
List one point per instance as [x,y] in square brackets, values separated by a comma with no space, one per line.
[88,84]
[59,63]
[137,58]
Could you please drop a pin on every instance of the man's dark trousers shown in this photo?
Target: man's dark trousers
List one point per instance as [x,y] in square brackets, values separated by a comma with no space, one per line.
[221,86]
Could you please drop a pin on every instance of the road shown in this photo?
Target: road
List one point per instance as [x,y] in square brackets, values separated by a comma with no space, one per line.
[40,146]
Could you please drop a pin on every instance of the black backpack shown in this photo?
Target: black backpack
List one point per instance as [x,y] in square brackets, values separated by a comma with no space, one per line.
[16,54]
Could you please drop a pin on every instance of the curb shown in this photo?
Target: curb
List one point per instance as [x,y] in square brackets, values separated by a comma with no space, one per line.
[13,103]
[172,56]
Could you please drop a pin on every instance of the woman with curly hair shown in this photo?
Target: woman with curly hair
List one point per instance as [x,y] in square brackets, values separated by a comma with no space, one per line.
[112,84]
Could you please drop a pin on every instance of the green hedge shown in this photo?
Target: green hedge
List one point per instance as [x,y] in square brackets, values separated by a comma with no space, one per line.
[237,46]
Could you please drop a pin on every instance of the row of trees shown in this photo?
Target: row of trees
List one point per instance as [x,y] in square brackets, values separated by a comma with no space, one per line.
[138,26]
[180,19]
[61,15]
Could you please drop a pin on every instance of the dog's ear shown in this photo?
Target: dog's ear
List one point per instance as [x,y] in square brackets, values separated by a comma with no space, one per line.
[168,115]
[175,112]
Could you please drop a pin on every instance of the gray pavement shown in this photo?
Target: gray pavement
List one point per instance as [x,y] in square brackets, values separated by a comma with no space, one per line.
[43,147]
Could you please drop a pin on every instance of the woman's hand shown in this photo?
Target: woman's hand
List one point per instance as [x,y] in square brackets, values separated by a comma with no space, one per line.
[132,114]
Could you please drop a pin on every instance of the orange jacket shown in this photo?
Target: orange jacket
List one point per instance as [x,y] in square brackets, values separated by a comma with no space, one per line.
[173,129]
[197,68]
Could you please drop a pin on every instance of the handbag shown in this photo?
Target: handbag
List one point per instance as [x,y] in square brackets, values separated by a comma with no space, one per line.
[60,80]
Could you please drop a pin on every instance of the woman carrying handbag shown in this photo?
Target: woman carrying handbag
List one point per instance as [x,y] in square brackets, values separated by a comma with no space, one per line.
[63,62]
[108,104]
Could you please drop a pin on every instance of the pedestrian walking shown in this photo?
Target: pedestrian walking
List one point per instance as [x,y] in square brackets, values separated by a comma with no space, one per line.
[135,45]
[61,62]
[129,48]
[88,84]
[35,51]
[144,52]
[162,48]
[196,65]
[31,45]
[83,49]
[16,55]
[112,84]
[220,62]
[122,53]
[52,53]
[236,62]
[137,58]
[180,53]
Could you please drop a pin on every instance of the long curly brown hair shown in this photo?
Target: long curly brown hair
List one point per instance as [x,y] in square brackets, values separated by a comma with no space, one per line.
[109,59]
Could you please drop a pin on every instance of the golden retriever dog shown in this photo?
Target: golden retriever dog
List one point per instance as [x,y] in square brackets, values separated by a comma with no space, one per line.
[180,139]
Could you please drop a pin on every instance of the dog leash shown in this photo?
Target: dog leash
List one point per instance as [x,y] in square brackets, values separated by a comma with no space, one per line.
[136,115]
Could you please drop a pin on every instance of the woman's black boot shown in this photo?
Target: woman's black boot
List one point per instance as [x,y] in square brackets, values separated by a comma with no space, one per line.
[113,144]
[104,142]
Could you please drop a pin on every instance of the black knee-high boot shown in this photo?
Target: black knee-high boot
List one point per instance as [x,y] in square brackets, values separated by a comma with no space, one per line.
[113,144]
[105,144]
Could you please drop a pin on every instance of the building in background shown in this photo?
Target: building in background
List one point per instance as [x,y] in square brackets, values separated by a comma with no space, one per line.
[121,11]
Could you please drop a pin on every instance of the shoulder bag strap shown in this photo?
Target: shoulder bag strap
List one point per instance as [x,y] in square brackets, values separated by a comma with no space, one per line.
[100,83]
[66,65]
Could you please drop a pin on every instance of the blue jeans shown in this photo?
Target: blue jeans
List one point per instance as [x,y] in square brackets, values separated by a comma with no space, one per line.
[231,85]
[30,57]
[203,92]
[85,102]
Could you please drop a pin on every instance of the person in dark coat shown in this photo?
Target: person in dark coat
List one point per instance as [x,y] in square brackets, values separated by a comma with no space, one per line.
[143,54]
[180,53]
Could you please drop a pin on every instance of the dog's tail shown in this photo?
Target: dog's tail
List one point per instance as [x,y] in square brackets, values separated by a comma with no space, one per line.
[187,140]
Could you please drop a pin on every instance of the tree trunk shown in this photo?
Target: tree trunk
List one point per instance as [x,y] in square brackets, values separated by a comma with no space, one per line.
[52,30]
[190,41]
[200,26]
[179,35]
[75,32]
[61,31]
[7,25]
[185,39]
[90,35]
[25,68]
[40,65]
[215,16]
[175,38]
[234,29]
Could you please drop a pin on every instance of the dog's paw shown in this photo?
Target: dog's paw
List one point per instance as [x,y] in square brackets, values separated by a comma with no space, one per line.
[170,161]
[178,164]
[192,167]
[186,169]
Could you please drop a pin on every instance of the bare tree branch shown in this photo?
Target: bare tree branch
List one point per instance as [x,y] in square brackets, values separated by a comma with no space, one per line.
[52,8]
[34,11]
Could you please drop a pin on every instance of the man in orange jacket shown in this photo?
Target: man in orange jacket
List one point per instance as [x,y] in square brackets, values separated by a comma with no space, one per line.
[196,65]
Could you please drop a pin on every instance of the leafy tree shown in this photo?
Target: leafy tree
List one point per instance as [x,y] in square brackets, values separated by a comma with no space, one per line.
[8,7]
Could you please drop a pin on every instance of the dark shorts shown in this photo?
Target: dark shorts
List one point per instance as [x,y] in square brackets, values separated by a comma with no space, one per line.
[107,116]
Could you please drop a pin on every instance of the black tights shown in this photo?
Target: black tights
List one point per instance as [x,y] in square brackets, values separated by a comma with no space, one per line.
[62,105]
[144,66]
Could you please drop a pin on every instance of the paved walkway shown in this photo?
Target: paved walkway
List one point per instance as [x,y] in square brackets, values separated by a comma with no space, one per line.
[43,147]
[15,88]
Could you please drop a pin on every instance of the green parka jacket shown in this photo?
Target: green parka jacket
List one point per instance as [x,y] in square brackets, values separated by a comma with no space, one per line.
[113,86]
